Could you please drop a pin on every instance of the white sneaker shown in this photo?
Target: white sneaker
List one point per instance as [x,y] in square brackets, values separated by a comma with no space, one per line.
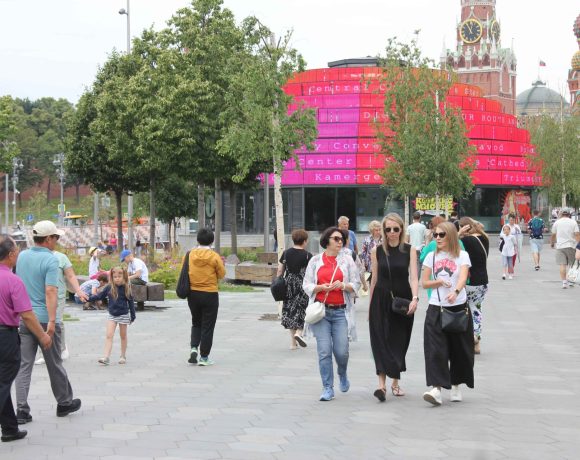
[433,396]
[39,361]
[65,354]
[510,277]
[455,394]
[564,285]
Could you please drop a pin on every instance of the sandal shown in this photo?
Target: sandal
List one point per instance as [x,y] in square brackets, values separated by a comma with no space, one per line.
[397,391]
[380,394]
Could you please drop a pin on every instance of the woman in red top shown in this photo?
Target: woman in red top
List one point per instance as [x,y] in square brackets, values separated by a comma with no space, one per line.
[332,278]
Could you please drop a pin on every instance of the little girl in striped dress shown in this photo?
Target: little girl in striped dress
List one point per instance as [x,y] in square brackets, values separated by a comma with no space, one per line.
[121,311]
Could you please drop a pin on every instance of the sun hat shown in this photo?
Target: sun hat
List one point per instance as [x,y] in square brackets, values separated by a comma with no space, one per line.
[91,250]
[46,228]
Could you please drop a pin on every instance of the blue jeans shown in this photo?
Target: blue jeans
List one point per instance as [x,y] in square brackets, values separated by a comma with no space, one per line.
[331,334]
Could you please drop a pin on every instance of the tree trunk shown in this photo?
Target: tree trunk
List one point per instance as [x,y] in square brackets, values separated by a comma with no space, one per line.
[175,232]
[279,204]
[48,190]
[218,216]
[152,240]
[78,192]
[406,211]
[168,229]
[201,206]
[119,201]
[437,205]
[563,199]
[234,220]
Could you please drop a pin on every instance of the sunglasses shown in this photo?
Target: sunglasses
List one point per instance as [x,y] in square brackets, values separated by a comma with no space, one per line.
[338,239]
[439,235]
[393,229]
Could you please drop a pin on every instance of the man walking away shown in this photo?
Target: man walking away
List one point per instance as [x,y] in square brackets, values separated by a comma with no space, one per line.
[14,305]
[416,237]
[565,235]
[536,227]
[38,269]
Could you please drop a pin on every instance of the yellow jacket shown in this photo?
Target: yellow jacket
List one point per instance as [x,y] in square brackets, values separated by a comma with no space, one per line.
[205,269]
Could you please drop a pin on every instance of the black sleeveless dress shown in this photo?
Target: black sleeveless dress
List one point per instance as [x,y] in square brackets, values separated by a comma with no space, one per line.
[390,333]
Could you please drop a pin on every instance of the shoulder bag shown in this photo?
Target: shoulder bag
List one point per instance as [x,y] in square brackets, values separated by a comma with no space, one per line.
[316,310]
[278,286]
[399,305]
[182,289]
[454,322]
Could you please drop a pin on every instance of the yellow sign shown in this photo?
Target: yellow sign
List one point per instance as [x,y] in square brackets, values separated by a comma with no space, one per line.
[427,203]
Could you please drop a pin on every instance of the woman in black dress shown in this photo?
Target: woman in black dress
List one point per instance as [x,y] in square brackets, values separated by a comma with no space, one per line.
[394,270]
[293,264]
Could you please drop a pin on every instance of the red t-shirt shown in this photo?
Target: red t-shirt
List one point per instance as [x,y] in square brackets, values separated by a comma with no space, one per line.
[324,276]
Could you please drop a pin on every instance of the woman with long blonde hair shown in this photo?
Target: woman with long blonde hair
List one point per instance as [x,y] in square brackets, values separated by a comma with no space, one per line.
[448,355]
[394,274]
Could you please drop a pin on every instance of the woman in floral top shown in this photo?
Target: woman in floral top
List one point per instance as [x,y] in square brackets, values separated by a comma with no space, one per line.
[370,242]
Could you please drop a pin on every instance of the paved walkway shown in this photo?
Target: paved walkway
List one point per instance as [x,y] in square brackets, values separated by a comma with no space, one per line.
[260,400]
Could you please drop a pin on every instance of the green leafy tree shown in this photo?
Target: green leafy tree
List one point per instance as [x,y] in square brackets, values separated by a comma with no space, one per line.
[557,143]
[424,138]
[8,128]
[176,198]
[258,127]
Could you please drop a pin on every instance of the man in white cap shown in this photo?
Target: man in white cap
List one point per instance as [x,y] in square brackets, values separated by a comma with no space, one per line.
[39,270]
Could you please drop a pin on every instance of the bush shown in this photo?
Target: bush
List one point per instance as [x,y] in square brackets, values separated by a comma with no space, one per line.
[167,272]
[244,254]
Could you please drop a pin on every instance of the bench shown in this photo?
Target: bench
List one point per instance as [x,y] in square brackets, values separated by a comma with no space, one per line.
[270,258]
[152,292]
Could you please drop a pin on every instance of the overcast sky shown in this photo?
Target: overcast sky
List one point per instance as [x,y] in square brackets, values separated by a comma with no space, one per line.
[53,47]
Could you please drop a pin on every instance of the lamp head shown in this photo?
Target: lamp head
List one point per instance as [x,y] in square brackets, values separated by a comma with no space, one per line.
[123,11]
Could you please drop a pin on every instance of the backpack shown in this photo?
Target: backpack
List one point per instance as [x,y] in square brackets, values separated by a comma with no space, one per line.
[537,227]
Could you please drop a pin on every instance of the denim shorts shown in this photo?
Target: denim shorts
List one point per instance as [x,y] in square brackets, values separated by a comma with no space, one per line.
[536,245]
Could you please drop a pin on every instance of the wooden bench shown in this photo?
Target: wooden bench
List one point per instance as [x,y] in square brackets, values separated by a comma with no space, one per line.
[152,292]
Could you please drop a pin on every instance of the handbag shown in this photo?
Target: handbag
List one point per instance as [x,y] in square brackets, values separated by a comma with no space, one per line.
[454,322]
[183,288]
[316,310]
[574,273]
[278,286]
[399,305]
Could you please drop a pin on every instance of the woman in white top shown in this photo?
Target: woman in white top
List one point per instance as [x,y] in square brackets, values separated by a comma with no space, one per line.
[448,355]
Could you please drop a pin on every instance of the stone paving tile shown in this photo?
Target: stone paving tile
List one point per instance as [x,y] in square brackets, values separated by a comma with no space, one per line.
[260,400]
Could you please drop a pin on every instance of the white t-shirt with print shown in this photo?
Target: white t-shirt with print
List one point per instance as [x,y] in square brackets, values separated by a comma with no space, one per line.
[447,267]
[136,265]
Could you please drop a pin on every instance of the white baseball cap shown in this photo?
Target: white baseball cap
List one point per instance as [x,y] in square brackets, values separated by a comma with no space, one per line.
[46,228]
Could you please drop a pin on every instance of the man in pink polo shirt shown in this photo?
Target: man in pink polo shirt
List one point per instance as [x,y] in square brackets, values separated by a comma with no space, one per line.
[14,305]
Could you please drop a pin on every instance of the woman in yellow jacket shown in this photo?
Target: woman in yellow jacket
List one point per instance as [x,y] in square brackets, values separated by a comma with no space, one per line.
[205,269]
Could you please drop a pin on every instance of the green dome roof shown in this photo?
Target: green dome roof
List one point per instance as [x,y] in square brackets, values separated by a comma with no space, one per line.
[539,98]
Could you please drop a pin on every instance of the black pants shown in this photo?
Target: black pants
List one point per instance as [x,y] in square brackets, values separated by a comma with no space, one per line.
[448,356]
[9,366]
[204,310]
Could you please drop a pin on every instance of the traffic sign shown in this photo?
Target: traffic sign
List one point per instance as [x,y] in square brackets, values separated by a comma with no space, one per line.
[61,208]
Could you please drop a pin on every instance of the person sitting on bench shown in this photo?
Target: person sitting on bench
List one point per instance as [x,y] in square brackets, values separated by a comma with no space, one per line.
[138,272]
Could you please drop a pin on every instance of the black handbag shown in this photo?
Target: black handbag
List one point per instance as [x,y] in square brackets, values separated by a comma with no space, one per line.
[399,305]
[278,286]
[455,322]
[183,287]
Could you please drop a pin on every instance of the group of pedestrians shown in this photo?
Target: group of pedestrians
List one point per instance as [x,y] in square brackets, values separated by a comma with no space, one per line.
[391,254]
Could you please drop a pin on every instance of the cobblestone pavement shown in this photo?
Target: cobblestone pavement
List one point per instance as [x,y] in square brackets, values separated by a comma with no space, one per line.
[260,400]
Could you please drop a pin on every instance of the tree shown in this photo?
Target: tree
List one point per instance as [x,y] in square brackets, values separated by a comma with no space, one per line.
[259,129]
[176,198]
[423,137]
[8,127]
[558,156]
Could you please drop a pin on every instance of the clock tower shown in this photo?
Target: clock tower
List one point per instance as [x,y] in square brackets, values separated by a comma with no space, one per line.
[479,58]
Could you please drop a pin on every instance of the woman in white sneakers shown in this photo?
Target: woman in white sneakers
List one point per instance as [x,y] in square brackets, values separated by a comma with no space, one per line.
[449,356]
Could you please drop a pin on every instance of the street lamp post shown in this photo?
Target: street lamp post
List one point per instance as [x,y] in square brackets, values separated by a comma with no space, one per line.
[129,194]
[17,165]
[59,163]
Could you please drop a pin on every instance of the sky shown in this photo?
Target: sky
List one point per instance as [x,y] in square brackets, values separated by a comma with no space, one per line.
[54,47]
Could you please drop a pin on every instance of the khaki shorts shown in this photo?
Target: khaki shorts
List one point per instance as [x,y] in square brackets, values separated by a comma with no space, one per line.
[565,256]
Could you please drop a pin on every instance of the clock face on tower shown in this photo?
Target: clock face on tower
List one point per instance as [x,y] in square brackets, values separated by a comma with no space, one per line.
[471,31]
[495,30]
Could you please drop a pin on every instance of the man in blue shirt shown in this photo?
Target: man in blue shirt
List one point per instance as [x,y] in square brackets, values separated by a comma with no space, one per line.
[38,268]
[343,224]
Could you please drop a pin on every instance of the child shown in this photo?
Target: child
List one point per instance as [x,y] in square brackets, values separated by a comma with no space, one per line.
[508,251]
[90,287]
[121,311]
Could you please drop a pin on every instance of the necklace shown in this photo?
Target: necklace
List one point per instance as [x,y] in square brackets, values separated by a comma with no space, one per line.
[329,260]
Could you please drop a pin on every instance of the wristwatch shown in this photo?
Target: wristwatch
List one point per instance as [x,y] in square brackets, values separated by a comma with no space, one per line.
[415,298]
[457,291]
